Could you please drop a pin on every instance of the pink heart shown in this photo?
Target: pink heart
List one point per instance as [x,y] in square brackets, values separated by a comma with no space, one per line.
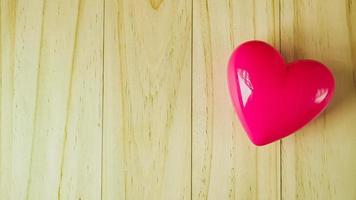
[274,99]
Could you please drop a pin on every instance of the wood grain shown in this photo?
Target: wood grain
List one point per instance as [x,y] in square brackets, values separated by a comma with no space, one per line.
[147,102]
[127,99]
[20,44]
[51,92]
[225,163]
[319,161]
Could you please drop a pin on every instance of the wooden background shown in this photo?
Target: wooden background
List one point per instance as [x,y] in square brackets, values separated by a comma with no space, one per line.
[127,99]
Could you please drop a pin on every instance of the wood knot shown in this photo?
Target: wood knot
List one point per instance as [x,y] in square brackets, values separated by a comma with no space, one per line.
[156,4]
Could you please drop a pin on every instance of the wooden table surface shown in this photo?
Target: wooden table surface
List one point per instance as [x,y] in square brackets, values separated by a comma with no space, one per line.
[127,99]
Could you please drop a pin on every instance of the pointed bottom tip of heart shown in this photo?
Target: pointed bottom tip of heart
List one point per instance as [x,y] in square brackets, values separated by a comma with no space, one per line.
[260,143]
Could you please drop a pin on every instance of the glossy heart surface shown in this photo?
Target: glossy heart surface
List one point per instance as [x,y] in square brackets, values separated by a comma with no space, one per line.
[272,98]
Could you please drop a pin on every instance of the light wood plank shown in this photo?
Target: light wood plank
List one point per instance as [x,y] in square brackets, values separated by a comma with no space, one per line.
[21,24]
[147,102]
[319,161]
[51,99]
[226,165]
[81,165]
